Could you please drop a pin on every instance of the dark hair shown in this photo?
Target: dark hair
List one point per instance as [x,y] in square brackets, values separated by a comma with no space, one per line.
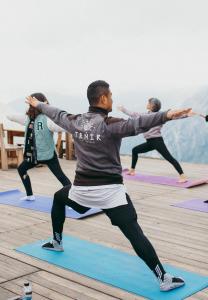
[95,90]
[33,112]
[156,104]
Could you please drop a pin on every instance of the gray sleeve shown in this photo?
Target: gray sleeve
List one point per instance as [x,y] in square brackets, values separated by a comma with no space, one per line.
[142,123]
[20,119]
[54,127]
[131,114]
[60,117]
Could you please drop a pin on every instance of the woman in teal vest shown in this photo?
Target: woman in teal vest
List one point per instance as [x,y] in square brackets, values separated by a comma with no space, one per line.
[39,145]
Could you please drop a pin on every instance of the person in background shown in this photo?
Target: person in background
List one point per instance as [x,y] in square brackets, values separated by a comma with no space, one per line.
[154,140]
[39,145]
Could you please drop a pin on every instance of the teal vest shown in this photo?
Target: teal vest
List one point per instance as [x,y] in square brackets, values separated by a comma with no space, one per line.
[44,142]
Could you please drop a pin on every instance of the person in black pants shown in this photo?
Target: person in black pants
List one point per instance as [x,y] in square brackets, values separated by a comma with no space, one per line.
[53,165]
[124,216]
[154,141]
[39,145]
[158,144]
[98,181]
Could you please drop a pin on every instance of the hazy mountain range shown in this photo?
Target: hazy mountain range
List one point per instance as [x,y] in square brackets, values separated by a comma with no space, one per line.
[186,139]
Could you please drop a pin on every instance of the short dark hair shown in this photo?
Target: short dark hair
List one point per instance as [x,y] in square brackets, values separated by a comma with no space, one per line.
[95,90]
[33,112]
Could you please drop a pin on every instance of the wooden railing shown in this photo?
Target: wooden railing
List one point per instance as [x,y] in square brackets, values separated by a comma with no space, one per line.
[68,140]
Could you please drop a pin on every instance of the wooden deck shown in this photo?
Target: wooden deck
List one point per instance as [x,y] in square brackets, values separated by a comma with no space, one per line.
[179,235]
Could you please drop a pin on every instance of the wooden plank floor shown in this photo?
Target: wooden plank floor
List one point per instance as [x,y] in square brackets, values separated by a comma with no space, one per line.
[180,236]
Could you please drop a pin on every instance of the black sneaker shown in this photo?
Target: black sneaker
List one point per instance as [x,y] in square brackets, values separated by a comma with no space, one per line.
[170,282]
[205,201]
[53,246]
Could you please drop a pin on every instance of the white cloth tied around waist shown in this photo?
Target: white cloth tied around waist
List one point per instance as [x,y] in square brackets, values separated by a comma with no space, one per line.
[102,196]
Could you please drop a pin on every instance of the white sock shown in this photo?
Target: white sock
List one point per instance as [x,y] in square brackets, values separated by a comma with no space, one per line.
[28,198]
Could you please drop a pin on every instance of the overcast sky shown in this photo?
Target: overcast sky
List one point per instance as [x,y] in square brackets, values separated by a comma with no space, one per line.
[63,45]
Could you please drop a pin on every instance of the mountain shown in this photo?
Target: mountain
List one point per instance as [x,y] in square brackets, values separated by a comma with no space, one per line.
[186,139]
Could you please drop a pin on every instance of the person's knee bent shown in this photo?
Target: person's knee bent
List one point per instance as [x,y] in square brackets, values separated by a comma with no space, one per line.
[22,171]
[61,196]
[57,197]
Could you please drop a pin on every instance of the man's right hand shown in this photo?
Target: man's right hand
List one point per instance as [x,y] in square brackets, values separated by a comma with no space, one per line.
[179,113]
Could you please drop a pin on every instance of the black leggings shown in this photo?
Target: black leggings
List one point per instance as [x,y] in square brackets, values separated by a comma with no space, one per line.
[155,144]
[53,165]
[123,216]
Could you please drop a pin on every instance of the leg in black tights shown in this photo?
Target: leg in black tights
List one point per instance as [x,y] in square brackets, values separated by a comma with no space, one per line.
[142,246]
[125,218]
[58,211]
[22,170]
[143,148]
[54,166]
[162,149]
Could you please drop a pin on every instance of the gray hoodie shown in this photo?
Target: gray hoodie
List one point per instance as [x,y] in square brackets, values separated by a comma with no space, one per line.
[97,140]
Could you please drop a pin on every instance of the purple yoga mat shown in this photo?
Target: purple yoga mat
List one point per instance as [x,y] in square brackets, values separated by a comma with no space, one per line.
[194,204]
[163,180]
[41,203]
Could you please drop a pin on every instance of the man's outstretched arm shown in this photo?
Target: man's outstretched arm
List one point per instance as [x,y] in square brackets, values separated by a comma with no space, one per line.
[135,126]
[58,116]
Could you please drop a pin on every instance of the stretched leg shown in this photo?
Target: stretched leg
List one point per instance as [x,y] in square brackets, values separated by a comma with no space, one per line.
[58,216]
[22,170]
[143,148]
[162,149]
[143,247]
[125,218]
[54,166]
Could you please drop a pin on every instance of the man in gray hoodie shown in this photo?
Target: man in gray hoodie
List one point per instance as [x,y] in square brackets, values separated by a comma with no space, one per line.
[98,180]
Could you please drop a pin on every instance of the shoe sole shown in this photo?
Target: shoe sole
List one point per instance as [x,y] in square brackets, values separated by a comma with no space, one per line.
[173,287]
[50,249]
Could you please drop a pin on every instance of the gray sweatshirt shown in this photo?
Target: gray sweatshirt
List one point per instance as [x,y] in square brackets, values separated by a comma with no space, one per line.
[152,133]
[97,140]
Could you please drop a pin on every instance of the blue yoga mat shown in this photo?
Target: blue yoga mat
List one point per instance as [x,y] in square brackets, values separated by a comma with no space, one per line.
[41,203]
[115,267]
